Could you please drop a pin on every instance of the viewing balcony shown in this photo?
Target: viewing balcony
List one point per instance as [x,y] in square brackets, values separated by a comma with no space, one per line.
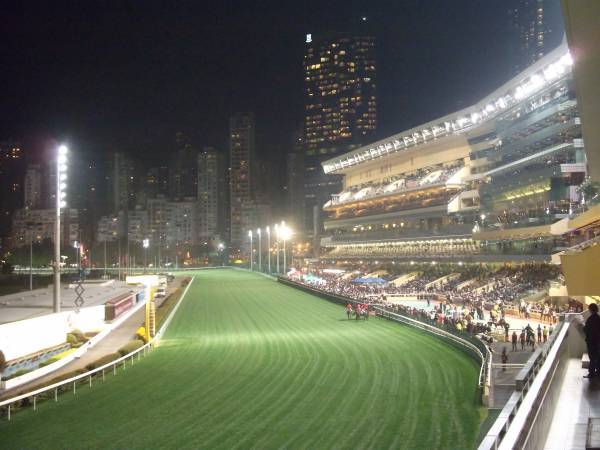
[434,177]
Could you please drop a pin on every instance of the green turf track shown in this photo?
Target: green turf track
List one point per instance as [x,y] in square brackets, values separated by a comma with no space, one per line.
[249,363]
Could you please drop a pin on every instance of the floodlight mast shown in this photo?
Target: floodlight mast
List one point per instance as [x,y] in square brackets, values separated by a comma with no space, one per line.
[61,185]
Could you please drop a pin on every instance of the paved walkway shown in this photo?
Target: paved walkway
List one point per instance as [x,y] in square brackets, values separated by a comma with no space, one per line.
[579,400]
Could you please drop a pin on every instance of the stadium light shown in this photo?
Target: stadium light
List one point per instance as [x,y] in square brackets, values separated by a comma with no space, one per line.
[61,202]
[285,233]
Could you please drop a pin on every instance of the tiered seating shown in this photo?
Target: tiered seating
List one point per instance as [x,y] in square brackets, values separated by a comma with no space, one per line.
[437,248]
[421,178]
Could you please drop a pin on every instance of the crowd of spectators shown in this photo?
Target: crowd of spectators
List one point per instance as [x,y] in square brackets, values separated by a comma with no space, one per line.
[476,306]
[431,247]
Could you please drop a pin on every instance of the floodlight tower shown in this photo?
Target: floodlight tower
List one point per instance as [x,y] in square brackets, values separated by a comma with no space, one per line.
[286,233]
[61,202]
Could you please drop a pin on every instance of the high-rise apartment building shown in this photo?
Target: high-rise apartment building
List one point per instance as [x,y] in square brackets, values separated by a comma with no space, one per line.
[183,174]
[536,28]
[12,172]
[123,182]
[340,108]
[172,224]
[38,225]
[241,183]
[211,183]
[33,187]
[157,181]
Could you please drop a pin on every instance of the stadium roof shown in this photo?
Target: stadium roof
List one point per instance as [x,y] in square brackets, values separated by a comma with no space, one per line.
[549,69]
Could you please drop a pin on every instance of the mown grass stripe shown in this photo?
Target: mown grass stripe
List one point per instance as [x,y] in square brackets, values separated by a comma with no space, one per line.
[249,363]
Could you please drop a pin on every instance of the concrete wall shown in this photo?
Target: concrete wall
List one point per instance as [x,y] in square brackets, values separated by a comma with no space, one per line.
[29,336]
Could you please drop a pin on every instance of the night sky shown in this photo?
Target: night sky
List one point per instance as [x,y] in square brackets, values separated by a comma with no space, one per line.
[127,75]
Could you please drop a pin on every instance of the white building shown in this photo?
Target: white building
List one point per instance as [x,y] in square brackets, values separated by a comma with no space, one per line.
[172,223]
[110,228]
[38,225]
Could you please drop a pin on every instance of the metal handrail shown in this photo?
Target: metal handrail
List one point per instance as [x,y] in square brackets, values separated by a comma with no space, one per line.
[113,364]
[505,431]
[486,360]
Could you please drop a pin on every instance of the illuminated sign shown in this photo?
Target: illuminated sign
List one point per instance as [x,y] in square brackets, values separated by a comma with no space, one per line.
[308,38]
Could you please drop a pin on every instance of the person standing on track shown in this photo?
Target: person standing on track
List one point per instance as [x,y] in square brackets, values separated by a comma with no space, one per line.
[504,358]
[522,338]
[514,339]
[349,311]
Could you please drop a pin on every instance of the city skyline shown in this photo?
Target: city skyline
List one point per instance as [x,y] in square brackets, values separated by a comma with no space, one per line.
[169,71]
[339,110]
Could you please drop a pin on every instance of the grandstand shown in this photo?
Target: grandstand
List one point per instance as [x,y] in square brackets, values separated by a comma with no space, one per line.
[486,182]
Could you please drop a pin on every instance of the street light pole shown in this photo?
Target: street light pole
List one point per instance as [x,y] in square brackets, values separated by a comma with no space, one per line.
[104,256]
[61,178]
[269,248]
[284,258]
[282,232]
[250,235]
[145,244]
[77,256]
[158,261]
[259,251]
[277,245]
[30,261]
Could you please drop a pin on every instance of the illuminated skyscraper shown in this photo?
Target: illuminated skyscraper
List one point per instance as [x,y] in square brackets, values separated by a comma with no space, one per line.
[536,27]
[211,181]
[340,108]
[241,182]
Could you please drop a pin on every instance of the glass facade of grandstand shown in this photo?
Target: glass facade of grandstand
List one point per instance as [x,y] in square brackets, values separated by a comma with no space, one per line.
[471,184]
